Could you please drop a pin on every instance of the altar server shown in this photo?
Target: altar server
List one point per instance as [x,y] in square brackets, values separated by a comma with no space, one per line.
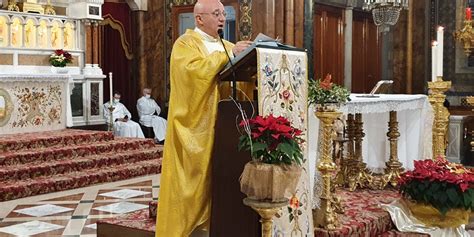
[123,125]
[148,111]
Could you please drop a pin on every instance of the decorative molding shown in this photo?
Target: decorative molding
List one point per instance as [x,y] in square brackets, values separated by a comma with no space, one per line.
[182,2]
[245,29]
[117,25]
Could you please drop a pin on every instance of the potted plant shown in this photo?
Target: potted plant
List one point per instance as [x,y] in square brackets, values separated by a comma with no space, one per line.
[438,193]
[274,146]
[326,95]
[59,59]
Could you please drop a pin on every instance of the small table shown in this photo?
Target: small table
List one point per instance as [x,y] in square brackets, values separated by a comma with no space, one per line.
[266,210]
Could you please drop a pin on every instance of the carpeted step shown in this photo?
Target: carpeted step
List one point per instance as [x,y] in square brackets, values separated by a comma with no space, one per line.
[46,184]
[49,154]
[363,216]
[63,137]
[55,167]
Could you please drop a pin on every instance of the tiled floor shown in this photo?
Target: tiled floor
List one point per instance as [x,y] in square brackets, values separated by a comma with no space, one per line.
[75,212]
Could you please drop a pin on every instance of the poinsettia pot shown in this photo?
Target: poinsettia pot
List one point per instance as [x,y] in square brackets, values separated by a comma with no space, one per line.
[271,182]
[430,216]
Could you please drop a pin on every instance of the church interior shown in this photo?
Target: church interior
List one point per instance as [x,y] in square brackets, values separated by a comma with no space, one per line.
[85,92]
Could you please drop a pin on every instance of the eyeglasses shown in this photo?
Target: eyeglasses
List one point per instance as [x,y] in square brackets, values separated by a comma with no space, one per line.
[216,14]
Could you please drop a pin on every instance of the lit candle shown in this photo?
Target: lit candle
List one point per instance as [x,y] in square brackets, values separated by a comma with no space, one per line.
[468,14]
[111,91]
[434,51]
[440,39]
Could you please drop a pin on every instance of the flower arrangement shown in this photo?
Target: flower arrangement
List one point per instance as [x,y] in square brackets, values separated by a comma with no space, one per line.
[271,140]
[439,183]
[324,91]
[60,58]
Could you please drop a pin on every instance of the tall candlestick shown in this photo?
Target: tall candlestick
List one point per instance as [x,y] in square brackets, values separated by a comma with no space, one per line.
[434,51]
[468,14]
[440,55]
[111,91]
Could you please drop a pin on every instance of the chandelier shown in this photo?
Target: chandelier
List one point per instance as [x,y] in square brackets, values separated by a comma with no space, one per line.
[385,12]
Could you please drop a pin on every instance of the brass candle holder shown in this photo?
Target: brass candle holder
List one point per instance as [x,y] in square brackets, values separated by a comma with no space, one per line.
[441,115]
[326,216]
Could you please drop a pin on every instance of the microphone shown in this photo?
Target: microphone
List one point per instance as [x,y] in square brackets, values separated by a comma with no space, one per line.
[234,81]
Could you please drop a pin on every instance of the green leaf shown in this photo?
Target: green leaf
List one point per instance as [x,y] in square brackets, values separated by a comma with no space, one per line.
[257,146]
[291,217]
[453,196]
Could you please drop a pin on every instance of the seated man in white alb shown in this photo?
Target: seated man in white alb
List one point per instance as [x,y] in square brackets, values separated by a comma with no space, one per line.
[123,125]
[147,107]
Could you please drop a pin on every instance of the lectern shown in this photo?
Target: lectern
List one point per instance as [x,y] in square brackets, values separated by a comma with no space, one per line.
[229,216]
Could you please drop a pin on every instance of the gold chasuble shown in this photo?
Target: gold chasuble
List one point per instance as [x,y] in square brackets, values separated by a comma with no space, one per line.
[185,188]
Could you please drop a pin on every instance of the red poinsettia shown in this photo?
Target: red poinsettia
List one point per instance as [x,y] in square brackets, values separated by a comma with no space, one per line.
[272,140]
[443,184]
[60,58]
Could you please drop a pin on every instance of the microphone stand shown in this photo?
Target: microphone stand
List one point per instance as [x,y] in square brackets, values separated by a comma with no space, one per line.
[234,81]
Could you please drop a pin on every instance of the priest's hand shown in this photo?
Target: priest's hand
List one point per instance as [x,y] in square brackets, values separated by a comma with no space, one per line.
[240,46]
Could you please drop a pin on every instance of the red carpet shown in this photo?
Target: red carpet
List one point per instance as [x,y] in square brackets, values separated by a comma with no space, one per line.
[363,216]
[38,163]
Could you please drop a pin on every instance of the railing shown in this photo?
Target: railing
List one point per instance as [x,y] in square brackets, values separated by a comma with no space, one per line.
[36,31]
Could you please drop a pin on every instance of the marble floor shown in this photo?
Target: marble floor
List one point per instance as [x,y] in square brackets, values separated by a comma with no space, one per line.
[74,213]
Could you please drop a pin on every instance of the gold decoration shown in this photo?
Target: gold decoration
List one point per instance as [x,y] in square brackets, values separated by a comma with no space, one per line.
[49,9]
[12,6]
[267,211]
[466,36]
[394,167]
[441,116]
[245,24]
[355,170]
[430,216]
[117,25]
[326,216]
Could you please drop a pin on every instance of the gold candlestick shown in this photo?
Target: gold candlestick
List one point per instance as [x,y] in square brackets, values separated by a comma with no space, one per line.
[267,211]
[325,216]
[441,115]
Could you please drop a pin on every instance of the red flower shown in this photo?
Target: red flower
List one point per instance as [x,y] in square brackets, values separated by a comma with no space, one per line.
[326,84]
[267,134]
[286,94]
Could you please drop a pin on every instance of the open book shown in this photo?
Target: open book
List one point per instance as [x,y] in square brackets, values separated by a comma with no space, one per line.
[260,41]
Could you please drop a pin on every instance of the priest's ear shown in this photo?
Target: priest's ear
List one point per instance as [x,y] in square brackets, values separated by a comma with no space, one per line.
[198,20]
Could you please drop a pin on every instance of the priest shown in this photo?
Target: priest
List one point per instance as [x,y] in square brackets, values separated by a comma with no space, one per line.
[197,57]
[123,125]
[148,111]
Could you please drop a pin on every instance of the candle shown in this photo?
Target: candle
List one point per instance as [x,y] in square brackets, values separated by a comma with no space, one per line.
[440,40]
[468,14]
[111,91]
[434,51]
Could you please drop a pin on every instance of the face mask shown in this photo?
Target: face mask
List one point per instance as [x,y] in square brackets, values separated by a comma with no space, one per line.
[116,100]
[147,96]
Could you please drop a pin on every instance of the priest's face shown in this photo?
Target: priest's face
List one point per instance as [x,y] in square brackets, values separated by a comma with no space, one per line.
[210,16]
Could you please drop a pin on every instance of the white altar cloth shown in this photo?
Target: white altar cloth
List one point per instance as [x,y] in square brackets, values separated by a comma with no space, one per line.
[34,103]
[415,122]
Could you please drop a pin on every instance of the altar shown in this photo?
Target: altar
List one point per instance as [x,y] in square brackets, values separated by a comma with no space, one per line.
[415,120]
[34,103]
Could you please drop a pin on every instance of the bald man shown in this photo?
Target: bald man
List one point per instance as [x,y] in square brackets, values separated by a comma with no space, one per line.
[196,59]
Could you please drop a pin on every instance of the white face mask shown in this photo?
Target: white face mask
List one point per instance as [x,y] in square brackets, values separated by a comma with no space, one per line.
[116,100]
[147,96]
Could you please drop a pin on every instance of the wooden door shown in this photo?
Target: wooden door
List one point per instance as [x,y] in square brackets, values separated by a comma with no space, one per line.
[328,44]
[366,51]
